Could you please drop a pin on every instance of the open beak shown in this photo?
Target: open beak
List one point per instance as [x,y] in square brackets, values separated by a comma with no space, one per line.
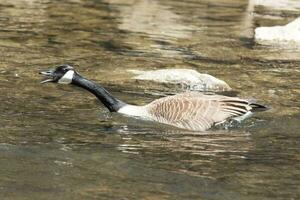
[49,74]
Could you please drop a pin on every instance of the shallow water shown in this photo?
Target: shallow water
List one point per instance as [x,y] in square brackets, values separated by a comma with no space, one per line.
[59,142]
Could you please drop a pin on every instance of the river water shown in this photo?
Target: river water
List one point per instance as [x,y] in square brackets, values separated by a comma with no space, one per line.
[58,142]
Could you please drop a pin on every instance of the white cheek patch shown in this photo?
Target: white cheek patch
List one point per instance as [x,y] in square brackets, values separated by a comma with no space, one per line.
[67,78]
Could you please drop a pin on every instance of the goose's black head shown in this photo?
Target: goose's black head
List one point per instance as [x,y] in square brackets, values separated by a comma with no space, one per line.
[61,74]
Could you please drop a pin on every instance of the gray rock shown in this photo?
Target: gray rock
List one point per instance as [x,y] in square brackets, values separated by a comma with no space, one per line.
[289,33]
[188,78]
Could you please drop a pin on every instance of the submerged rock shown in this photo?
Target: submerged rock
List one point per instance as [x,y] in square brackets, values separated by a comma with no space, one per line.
[188,79]
[274,34]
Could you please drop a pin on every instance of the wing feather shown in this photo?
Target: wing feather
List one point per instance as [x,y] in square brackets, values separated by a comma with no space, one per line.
[195,111]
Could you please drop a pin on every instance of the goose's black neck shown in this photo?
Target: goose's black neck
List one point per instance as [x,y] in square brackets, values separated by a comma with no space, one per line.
[104,96]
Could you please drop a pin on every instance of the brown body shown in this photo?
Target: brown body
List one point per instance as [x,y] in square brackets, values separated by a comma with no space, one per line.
[195,111]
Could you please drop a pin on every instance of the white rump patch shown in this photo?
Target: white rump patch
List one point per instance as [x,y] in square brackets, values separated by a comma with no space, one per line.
[67,78]
[243,117]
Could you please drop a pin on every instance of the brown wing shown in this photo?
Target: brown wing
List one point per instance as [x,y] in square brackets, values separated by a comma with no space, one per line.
[195,111]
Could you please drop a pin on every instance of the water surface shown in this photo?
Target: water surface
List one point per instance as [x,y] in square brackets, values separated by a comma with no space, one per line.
[59,142]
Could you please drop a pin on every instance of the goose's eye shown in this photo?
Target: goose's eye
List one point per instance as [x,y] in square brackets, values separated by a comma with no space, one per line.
[65,70]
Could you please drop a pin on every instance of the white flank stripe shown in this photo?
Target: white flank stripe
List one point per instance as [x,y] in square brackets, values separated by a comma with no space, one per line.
[135,111]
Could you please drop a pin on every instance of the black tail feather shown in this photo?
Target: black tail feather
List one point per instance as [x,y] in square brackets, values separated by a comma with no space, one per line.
[258,107]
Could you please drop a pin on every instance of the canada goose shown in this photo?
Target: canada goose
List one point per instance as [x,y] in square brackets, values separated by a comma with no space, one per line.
[190,110]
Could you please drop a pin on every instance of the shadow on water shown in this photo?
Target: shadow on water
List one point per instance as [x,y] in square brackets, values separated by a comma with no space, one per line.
[59,142]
